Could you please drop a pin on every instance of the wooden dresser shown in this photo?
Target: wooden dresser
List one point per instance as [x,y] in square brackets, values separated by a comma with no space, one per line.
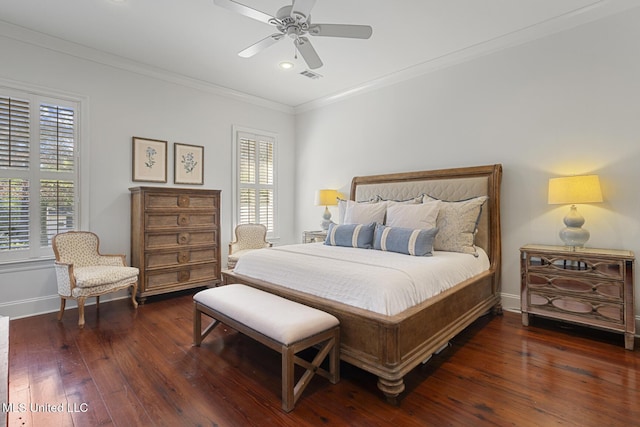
[592,287]
[175,238]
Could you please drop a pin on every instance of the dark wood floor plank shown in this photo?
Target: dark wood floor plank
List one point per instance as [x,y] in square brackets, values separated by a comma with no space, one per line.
[139,368]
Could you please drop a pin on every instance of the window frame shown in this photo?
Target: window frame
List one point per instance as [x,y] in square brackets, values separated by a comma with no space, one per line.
[36,97]
[257,133]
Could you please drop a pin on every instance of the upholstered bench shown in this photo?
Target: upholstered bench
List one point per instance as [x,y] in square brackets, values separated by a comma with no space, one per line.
[280,324]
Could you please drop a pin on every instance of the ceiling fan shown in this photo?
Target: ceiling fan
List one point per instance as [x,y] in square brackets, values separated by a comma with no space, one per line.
[295,21]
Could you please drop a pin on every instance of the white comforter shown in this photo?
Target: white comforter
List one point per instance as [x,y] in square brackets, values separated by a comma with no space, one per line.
[382,282]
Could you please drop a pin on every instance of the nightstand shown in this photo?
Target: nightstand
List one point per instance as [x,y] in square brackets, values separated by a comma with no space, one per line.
[314,236]
[592,287]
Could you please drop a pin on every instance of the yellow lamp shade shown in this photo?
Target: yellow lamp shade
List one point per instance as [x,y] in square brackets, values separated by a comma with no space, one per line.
[575,189]
[326,197]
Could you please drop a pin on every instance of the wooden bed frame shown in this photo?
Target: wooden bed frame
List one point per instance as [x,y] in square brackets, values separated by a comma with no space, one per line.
[391,346]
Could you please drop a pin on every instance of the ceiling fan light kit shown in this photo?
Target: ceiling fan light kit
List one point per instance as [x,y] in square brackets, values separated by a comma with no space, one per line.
[294,21]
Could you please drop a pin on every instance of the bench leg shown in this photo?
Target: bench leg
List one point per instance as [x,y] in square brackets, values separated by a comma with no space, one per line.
[291,393]
[198,333]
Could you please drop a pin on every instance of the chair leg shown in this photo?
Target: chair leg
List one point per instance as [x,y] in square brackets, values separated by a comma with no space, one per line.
[134,291]
[63,302]
[81,311]
[97,302]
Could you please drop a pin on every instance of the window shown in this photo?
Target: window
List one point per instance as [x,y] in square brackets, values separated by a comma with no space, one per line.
[255,189]
[38,172]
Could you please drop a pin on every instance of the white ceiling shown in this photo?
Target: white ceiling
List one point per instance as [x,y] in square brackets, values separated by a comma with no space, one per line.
[198,40]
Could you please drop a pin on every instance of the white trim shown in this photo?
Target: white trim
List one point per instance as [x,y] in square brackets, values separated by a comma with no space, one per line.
[592,12]
[55,44]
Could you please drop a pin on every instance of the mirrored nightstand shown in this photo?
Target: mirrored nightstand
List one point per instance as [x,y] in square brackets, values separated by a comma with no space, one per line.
[314,236]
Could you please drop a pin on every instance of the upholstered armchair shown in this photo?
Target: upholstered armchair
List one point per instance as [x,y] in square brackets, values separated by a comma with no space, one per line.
[83,272]
[248,238]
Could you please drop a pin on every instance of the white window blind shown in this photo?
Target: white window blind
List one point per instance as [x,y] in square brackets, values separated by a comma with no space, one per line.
[256,192]
[38,173]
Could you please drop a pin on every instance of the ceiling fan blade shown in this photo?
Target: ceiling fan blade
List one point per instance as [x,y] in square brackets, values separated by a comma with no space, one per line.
[234,6]
[308,52]
[261,45]
[341,30]
[302,7]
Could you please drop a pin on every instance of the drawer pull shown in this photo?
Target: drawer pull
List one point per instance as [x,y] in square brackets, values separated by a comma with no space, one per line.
[183,219]
[184,275]
[183,257]
[183,238]
[183,201]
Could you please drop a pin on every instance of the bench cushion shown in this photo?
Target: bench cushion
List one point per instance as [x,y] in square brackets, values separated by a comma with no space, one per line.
[277,318]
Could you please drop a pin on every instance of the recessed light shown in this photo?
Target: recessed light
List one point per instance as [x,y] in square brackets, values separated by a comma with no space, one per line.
[285,65]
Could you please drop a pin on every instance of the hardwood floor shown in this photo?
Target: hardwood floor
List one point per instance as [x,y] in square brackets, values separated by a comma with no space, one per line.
[129,368]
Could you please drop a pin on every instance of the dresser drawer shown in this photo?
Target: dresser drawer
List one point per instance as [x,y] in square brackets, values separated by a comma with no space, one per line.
[178,220]
[180,239]
[206,274]
[579,286]
[576,266]
[161,259]
[186,200]
[581,309]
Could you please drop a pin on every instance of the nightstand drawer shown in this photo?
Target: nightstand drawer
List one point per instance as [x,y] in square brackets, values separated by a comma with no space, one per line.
[581,310]
[577,266]
[579,286]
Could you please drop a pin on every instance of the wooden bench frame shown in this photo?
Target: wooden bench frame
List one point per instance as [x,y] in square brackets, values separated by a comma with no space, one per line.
[328,340]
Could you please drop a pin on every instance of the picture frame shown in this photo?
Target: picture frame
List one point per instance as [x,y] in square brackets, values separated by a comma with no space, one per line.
[149,160]
[188,161]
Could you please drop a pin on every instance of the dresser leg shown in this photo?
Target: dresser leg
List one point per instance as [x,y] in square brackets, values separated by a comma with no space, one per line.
[628,341]
[525,319]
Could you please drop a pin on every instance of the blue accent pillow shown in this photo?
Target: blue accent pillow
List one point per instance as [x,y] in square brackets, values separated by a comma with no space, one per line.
[350,235]
[418,242]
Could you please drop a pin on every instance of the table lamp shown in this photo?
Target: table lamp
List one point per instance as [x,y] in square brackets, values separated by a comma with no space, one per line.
[573,190]
[326,198]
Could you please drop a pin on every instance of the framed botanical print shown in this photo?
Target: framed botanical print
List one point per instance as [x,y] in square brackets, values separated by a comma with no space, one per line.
[188,164]
[149,160]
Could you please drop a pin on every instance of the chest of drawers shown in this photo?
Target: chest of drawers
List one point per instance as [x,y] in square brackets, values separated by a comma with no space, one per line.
[175,238]
[592,287]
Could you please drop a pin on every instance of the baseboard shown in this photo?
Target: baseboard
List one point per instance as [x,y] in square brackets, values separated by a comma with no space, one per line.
[48,304]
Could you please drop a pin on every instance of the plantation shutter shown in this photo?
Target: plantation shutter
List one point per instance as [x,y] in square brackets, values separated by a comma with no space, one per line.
[256,189]
[38,173]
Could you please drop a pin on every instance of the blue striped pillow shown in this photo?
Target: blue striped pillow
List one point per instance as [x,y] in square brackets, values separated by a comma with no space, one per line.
[418,242]
[350,235]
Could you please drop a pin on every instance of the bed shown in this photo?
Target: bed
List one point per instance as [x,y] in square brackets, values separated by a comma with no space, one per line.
[390,343]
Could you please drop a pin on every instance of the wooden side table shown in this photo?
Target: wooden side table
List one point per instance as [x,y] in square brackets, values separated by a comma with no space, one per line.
[592,287]
[314,236]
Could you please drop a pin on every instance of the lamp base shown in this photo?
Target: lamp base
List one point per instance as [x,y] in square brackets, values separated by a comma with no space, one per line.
[574,235]
[326,218]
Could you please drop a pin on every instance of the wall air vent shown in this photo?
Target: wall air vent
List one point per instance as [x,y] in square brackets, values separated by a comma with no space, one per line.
[310,74]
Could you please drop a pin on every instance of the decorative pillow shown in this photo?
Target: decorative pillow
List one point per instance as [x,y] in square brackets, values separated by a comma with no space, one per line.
[365,213]
[457,224]
[350,235]
[413,200]
[342,207]
[418,242]
[422,216]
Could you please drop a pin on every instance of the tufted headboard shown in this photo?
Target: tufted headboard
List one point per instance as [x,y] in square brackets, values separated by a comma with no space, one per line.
[445,184]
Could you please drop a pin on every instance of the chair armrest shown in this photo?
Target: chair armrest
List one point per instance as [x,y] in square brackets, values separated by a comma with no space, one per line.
[233,247]
[64,276]
[113,259]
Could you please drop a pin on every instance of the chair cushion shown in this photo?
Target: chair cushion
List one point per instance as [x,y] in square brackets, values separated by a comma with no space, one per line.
[99,275]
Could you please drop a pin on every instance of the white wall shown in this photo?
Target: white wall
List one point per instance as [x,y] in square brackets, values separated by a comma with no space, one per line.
[122,104]
[565,104]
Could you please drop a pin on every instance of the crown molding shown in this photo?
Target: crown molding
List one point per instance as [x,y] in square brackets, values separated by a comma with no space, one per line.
[584,15]
[55,44]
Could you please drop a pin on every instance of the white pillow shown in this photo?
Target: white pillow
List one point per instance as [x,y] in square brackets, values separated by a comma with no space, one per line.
[342,207]
[365,213]
[422,216]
